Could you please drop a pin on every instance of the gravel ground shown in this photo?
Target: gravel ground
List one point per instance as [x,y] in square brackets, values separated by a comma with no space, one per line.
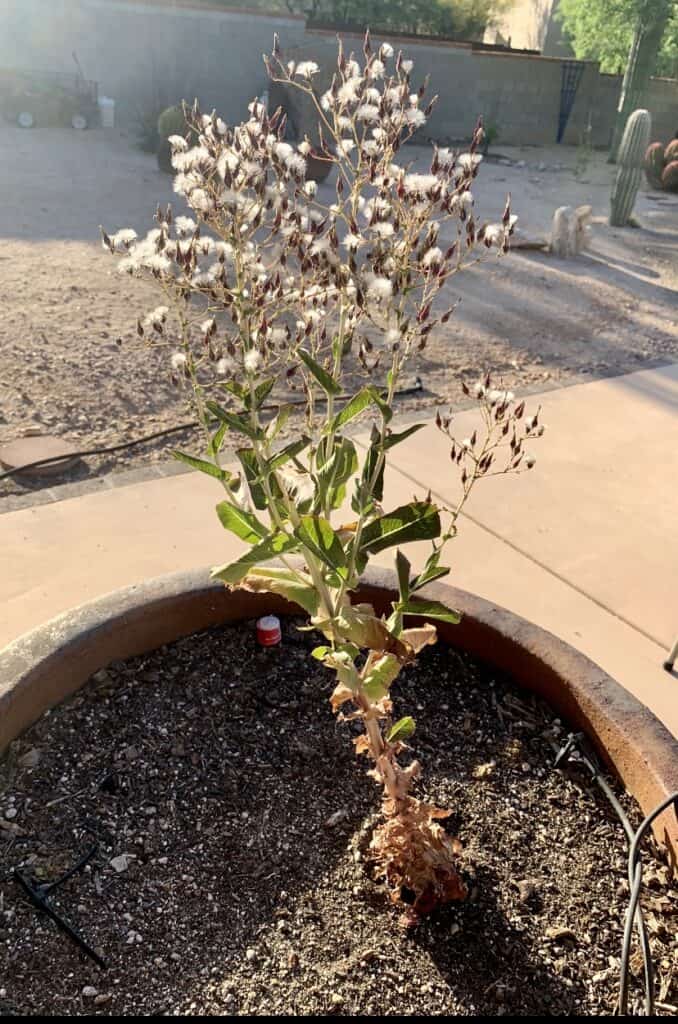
[72,365]
[228,811]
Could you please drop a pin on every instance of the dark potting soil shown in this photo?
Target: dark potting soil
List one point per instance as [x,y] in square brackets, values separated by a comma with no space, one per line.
[227,806]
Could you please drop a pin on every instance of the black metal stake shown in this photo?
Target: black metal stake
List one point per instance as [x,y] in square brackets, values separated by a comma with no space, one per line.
[39,897]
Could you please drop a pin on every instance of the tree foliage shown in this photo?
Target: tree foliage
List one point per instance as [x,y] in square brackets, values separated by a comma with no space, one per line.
[603,29]
[466,19]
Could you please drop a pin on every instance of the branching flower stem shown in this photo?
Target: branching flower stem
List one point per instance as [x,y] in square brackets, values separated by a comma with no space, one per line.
[265,283]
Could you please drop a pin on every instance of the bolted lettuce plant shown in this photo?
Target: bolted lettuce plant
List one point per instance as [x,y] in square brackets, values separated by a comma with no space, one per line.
[268,286]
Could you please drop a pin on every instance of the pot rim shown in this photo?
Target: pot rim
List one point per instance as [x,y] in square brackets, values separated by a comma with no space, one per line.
[44,666]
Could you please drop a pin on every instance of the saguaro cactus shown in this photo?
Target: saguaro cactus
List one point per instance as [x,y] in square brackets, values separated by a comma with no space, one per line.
[651,20]
[630,171]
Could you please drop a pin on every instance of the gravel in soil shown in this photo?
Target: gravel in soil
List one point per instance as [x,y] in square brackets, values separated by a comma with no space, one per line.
[229,814]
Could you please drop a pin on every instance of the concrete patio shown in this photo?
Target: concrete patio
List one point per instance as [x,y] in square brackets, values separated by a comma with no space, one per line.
[585,545]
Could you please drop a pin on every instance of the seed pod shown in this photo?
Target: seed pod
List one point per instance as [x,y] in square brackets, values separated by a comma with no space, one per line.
[341,60]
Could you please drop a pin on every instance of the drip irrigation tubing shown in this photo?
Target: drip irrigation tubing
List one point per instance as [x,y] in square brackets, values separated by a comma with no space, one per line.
[576,742]
[110,449]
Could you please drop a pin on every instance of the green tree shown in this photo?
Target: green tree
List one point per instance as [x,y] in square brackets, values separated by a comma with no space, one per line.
[602,30]
[640,36]
[462,18]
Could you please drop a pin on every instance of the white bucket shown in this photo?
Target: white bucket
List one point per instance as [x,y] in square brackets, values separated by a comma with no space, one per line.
[107,111]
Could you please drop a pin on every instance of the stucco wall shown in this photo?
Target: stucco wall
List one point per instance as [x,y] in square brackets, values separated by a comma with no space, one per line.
[160,51]
[139,52]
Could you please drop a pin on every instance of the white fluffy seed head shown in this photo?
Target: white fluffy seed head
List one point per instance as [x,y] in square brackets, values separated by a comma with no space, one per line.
[252,360]
[380,288]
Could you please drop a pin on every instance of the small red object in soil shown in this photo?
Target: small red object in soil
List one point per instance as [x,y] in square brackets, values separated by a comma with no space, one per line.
[268,631]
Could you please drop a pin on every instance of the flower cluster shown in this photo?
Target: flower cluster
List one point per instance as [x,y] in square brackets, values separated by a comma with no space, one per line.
[500,448]
[272,267]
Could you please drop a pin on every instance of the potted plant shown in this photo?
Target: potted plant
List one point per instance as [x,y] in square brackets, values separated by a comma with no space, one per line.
[268,284]
[285,287]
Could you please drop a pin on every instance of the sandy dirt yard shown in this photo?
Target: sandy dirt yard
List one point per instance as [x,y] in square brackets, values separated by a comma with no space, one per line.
[70,360]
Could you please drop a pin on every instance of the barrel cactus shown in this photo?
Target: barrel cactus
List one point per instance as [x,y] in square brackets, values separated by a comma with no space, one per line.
[654,164]
[657,162]
[630,167]
[670,177]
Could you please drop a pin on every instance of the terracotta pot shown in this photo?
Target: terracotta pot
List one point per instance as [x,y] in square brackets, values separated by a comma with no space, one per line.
[44,666]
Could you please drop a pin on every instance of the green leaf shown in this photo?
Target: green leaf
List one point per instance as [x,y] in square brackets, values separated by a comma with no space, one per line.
[358,404]
[279,421]
[332,476]
[243,524]
[250,464]
[294,586]
[431,610]
[202,465]
[236,422]
[326,380]
[417,521]
[342,663]
[351,651]
[380,676]
[316,534]
[370,488]
[261,393]
[431,571]
[359,625]
[288,452]
[429,575]
[382,405]
[393,439]
[239,390]
[248,461]
[403,567]
[217,440]
[233,572]
[402,730]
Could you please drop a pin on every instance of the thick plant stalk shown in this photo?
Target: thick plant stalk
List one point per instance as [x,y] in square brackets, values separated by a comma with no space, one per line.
[629,174]
[649,30]
[410,850]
